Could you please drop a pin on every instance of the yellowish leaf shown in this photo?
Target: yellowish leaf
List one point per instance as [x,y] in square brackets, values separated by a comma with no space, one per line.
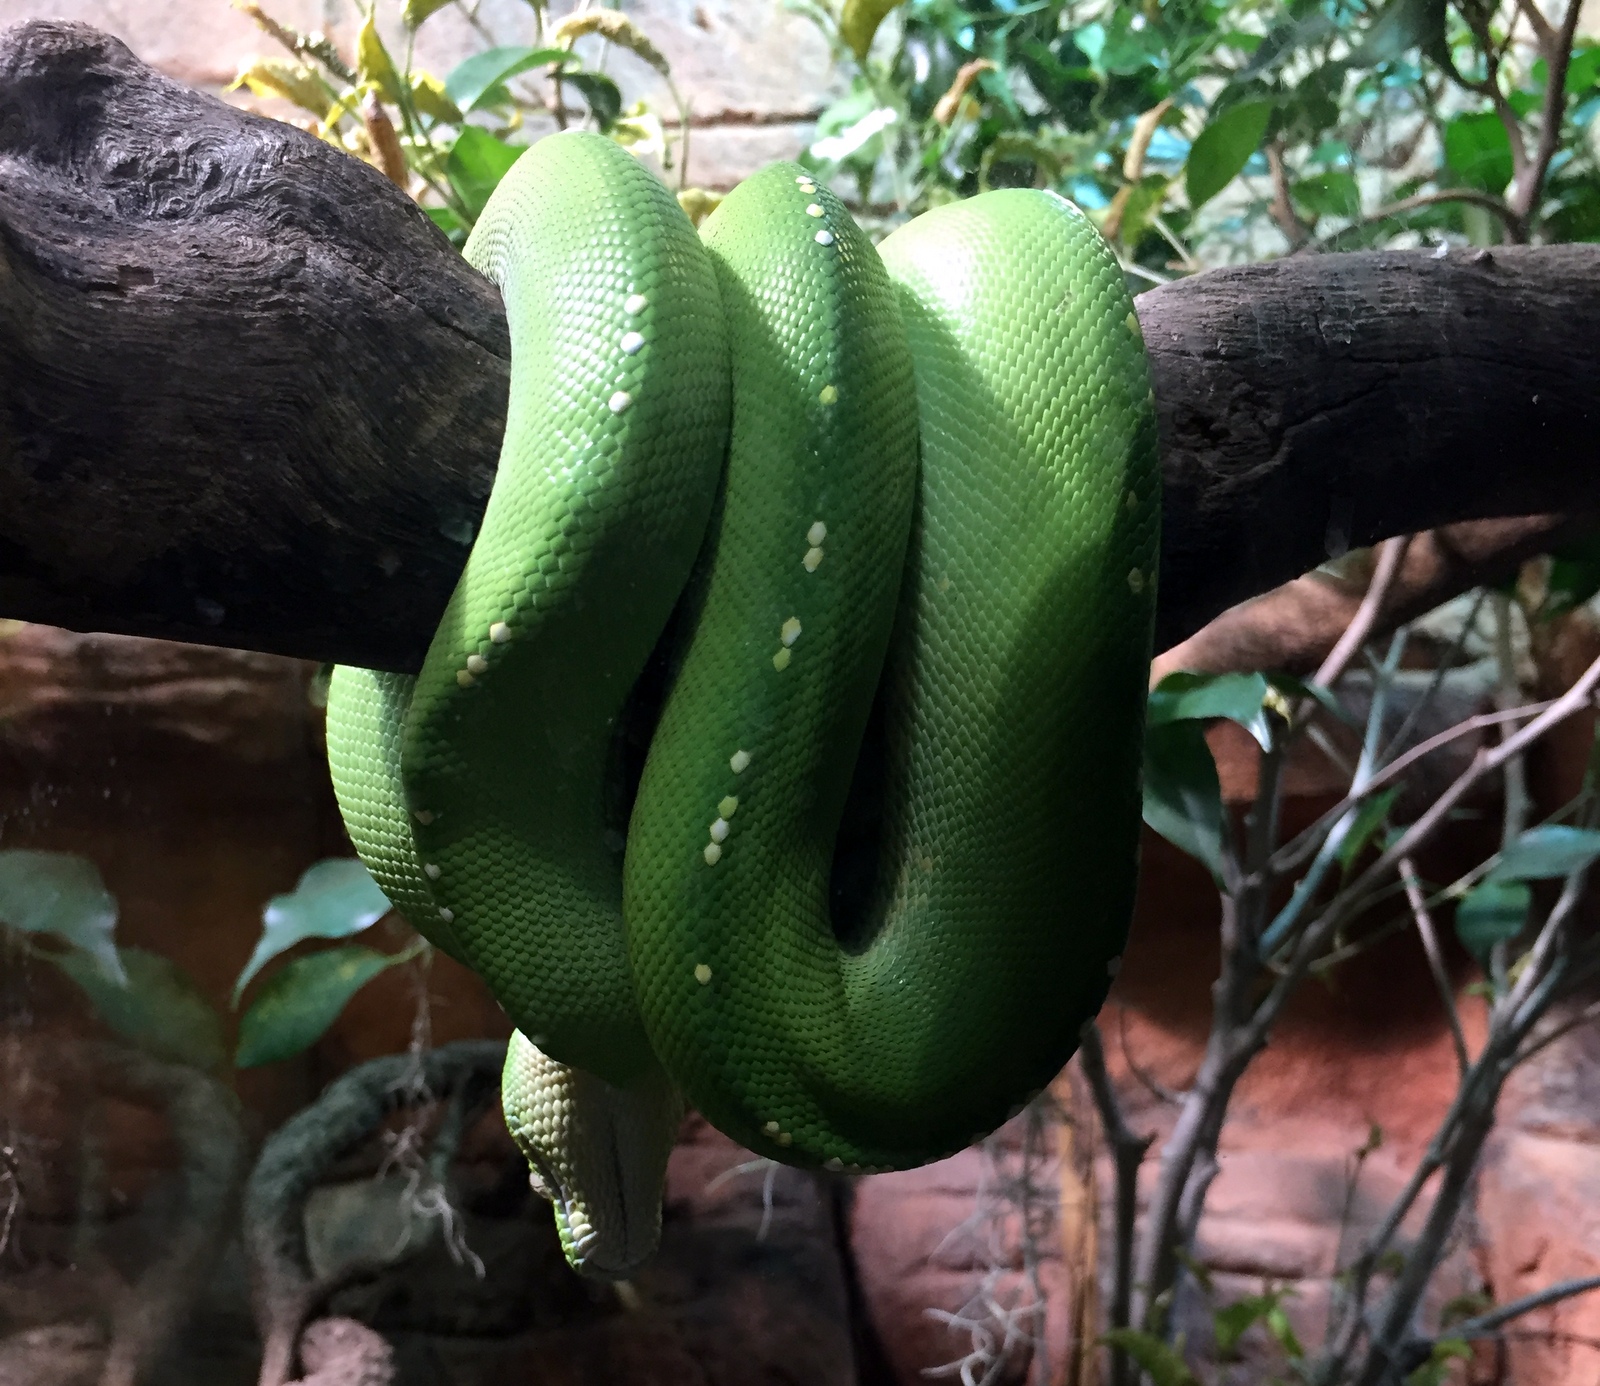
[860,20]
[617,28]
[428,96]
[373,62]
[416,11]
[275,77]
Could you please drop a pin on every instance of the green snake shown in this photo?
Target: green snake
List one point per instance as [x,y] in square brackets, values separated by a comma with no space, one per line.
[778,751]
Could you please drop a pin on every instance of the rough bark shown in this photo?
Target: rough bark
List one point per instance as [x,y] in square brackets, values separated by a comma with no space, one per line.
[249,396]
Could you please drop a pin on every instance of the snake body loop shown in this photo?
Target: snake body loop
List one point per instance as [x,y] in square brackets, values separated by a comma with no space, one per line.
[881,858]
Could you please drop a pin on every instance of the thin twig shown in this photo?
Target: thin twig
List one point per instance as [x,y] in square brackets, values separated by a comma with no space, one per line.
[1128,1150]
[1484,1325]
[1430,946]
[1391,556]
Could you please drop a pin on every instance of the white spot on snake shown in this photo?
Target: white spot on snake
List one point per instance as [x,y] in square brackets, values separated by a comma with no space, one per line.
[712,854]
[719,830]
[812,561]
[780,661]
[824,237]
[448,915]
[1135,580]
[477,664]
[632,341]
[635,303]
[463,678]
[772,1128]
[835,1164]
[1114,966]
[739,762]
[784,1138]
[803,179]
[789,632]
[702,973]
[423,816]
[619,402]
[1133,500]
[728,807]
[500,632]
[817,533]
[829,394]
[431,871]
[1132,320]
[814,210]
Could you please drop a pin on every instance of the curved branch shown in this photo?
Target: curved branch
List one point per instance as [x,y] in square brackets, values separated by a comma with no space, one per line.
[249,396]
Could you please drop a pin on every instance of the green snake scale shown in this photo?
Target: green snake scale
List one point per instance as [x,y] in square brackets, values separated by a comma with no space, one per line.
[873,533]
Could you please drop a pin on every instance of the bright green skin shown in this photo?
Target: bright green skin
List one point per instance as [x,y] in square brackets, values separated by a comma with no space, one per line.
[1011,589]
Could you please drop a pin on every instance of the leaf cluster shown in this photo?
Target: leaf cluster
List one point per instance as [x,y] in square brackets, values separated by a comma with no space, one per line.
[1205,131]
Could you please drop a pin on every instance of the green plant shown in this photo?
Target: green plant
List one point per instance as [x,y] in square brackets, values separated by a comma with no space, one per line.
[1295,907]
[55,909]
[1204,131]
[452,139]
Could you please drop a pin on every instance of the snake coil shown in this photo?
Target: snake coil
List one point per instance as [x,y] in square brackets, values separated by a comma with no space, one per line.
[882,523]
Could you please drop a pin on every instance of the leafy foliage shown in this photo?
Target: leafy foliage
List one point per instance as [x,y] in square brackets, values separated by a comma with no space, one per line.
[334,899]
[1207,131]
[299,1002]
[450,140]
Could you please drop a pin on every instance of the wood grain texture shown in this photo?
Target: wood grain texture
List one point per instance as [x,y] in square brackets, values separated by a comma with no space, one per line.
[250,396]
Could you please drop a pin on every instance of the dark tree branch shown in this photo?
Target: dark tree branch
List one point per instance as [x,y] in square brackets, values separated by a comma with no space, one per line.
[249,396]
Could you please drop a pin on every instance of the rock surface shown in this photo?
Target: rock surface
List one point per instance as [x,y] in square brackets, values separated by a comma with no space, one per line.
[755,75]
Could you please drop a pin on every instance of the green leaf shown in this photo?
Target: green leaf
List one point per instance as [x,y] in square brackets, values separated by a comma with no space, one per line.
[1372,815]
[1160,1361]
[1186,697]
[1279,1326]
[1583,71]
[1223,148]
[1403,25]
[477,163]
[416,12]
[1331,194]
[1230,1323]
[602,94]
[61,894]
[1477,151]
[159,1008]
[1490,913]
[298,1004]
[333,899]
[373,62]
[1547,852]
[480,80]
[859,21]
[1182,796]
[447,221]
[1574,577]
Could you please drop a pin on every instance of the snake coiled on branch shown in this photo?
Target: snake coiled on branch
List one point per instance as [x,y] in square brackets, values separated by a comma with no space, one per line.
[778,752]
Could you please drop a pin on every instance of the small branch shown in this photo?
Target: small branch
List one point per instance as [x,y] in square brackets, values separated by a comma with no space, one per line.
[1430,946]
[1296,852]
[297,1154]
[1513,222]
[1295,231]
[1484,1325]
[1128,1150]
[1528,184]
[1391,555]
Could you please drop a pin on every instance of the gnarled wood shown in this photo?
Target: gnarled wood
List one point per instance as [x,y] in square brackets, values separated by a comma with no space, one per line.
[250,396]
